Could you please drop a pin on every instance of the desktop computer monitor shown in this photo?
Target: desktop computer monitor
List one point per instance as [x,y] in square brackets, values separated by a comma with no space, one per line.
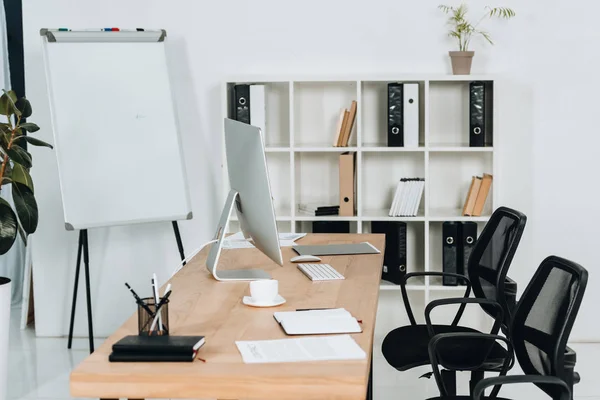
[250,194]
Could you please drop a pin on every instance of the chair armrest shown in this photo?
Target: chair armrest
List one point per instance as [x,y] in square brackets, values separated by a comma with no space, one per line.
[480,354]
[507,380]
[407,306]
[463,302]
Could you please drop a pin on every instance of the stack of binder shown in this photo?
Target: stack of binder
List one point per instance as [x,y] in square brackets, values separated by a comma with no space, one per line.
[477,195]
[458,242]
[249,106]
[403,115]
[407,197]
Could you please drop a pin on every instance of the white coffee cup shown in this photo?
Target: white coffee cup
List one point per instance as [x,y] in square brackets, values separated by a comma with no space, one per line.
[264,291]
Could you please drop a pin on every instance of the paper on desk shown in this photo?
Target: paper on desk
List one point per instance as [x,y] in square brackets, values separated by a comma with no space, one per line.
[338,347]
[237,241]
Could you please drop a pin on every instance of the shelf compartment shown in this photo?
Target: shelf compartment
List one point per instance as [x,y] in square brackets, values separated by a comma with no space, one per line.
[382,148]
[305,216]
[458,148]
[436,255]
[317,107]
[316,148]
[380,175]
[317,179]
[275,149]
[382,215]
[305,226]
[415,245]
[453,214]
[450,179]
[277,104]
[374,112]
[449,113]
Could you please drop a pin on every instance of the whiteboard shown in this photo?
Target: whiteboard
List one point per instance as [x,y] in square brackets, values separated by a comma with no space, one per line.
[115,129]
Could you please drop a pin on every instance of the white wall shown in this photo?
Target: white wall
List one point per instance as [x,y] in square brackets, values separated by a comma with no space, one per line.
[212,39]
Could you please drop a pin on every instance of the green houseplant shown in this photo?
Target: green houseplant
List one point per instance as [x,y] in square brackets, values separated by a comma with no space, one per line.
[463,30]
[14,170]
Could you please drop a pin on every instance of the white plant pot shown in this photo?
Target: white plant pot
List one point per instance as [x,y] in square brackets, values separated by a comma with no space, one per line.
[5,291]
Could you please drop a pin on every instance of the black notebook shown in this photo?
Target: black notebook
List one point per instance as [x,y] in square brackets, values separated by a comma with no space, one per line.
[171,345]
[151,357]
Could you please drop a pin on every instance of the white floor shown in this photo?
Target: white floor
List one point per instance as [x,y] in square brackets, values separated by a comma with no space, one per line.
[40,367]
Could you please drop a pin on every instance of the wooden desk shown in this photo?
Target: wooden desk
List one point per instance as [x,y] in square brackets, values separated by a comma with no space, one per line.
[201,305]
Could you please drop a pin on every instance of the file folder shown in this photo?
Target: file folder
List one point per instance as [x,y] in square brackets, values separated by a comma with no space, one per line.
[347,185]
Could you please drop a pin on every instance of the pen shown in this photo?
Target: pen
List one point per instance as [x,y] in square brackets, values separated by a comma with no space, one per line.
[158,307]
[139,301]
[312,309]
[156,299]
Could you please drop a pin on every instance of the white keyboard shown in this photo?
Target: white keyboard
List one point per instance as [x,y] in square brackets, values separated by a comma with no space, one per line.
[320,272]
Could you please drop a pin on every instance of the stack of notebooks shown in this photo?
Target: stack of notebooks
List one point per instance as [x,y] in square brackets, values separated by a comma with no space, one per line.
[345,125]
[319,211]
[407,197]
[156,348]
[477,195]
[317,322]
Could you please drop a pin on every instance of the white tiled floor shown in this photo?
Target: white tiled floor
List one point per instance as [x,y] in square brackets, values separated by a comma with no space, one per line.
[40,367]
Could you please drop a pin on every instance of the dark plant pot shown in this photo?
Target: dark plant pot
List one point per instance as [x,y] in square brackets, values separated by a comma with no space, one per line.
[461,62]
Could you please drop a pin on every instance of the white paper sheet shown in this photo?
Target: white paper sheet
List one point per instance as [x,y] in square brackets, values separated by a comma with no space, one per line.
[339,347]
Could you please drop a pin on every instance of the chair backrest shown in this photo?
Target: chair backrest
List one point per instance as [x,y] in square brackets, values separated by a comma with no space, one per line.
[544,318]
[491,258]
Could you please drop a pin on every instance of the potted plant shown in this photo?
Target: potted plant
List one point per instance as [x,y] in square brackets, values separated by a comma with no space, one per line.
[23,220]
[463,30]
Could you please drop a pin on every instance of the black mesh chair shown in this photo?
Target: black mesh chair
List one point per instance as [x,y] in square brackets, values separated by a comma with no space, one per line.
[406,347]
[539,332]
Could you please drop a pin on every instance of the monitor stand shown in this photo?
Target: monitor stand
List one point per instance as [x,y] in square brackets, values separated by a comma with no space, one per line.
[215,252]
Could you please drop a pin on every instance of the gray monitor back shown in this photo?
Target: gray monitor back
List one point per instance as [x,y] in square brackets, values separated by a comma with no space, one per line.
[248,176]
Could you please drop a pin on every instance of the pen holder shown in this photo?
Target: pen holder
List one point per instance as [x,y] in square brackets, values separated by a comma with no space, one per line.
[151,324]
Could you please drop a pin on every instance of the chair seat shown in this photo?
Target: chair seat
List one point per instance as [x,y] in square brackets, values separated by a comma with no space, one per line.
[407,347]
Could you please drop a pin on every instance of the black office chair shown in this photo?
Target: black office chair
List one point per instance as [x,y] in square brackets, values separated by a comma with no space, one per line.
[406,347]
[539,332]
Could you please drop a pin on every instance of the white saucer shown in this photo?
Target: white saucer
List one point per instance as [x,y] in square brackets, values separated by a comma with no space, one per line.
[249,301]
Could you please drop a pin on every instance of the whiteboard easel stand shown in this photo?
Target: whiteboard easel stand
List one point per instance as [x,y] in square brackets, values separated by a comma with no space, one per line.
[83,247]
[79,56]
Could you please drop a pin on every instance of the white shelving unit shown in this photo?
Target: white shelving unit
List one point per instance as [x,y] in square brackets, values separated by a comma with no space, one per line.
[302,113]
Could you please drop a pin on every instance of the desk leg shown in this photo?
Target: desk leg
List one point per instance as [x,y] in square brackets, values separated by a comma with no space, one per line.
[370,384]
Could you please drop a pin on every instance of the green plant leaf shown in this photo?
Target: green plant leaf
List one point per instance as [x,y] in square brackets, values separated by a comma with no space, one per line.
[4,140]
[26,207]
[24,106]
[5,108]
[29,127]
[20,175]
[5,128]
[11,98]
[19,156]
[8,226]
[486,36]
[34,141]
